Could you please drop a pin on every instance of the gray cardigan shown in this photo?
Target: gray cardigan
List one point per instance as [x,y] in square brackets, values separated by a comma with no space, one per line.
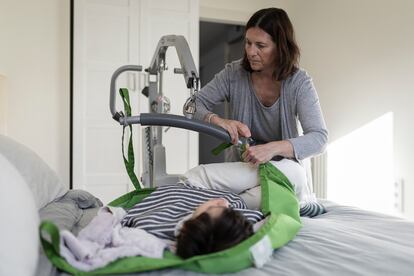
[298,101]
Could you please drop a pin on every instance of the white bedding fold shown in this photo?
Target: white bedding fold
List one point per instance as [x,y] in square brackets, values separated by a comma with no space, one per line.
[104,241]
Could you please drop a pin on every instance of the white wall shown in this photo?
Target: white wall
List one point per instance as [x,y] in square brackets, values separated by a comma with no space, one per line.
[235,11]
[360,54]
[3,106]
[34,57]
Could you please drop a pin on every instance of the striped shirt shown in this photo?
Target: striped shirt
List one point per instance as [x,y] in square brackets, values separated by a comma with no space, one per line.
[311,209]
[163,209]
[160,212]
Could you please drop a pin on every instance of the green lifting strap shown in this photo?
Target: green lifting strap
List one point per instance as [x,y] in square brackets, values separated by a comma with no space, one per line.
[217,150]
[130,161]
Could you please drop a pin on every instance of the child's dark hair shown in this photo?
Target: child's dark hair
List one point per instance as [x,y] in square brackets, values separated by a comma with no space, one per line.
[204,235]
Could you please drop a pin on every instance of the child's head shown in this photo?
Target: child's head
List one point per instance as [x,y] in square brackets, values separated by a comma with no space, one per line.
[213,227]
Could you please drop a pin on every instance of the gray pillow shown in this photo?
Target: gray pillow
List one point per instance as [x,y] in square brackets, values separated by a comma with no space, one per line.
[39,177]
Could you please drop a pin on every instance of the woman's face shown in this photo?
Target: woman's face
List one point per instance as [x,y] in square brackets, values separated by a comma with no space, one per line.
[213,207]
[260,50]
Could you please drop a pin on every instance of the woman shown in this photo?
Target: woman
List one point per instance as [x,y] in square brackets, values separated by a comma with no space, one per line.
[267,91]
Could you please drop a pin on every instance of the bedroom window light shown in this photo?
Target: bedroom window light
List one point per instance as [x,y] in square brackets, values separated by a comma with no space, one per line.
[360,167]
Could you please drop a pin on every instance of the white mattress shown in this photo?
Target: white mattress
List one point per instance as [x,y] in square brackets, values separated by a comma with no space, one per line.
[344,241]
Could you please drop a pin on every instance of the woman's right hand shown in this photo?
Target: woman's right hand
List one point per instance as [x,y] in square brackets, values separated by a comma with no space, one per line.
[233,127]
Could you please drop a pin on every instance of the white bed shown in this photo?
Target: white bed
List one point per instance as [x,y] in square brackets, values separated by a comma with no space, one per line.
[344,241]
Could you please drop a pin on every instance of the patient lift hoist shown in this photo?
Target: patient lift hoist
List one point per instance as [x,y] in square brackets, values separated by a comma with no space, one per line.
[154,160]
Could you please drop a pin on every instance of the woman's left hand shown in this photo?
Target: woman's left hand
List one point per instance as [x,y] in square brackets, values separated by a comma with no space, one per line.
[259,154]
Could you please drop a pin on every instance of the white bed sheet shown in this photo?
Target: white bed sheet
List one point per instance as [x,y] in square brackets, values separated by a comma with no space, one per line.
[344,241]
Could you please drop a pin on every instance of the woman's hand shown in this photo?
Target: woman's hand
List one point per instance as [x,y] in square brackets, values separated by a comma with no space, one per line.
[261,154]
[234,128]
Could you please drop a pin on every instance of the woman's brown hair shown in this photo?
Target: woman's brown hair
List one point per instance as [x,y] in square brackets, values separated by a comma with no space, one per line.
[277,24]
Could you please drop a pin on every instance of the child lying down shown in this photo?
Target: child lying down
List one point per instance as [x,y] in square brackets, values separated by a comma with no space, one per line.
[198,220]
[205,213]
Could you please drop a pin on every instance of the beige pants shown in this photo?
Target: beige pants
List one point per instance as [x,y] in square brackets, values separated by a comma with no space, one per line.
[243,179]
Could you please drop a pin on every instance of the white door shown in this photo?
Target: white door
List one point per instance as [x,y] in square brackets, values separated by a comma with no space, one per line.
[107,35]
